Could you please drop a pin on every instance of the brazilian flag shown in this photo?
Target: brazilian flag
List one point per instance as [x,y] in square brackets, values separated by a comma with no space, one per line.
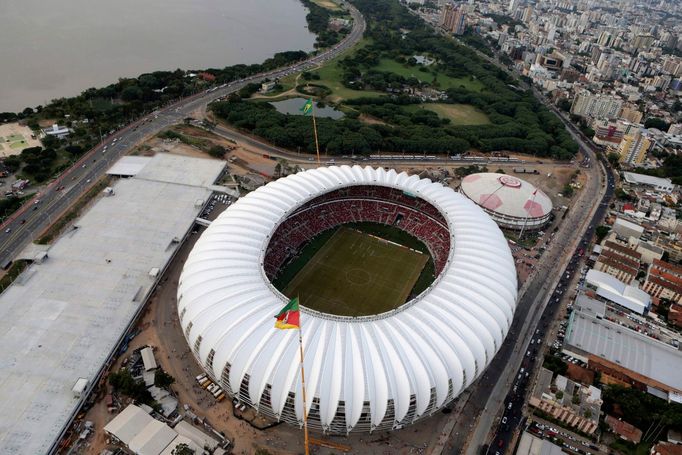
[307,108]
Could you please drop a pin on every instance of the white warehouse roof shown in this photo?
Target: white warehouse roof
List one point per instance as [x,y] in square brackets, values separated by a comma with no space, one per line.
[437,343]
[507,196]
[658,183]
[128,423]
[148,359]
[611,288]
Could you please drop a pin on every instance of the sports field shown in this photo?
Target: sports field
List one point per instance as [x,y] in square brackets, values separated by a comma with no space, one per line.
[357,274]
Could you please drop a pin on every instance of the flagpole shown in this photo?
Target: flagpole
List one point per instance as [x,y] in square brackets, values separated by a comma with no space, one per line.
[305,412]
[317,145]
[291,310]
[525,220]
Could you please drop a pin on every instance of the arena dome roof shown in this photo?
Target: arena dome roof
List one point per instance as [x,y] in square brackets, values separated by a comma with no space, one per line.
[372,372]
[507,196]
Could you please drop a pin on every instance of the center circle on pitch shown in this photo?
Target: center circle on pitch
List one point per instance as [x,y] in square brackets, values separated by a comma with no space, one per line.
[358,276]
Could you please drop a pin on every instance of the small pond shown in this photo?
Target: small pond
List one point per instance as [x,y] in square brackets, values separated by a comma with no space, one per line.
[294,105]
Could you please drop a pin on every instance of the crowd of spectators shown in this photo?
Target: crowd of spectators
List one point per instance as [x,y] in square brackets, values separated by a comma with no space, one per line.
[359,204]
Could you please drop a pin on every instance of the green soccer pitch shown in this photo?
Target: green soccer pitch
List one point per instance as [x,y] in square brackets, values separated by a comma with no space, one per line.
[357,274]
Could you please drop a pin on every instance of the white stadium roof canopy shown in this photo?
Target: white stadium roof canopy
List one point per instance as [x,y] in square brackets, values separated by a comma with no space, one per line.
[444,337]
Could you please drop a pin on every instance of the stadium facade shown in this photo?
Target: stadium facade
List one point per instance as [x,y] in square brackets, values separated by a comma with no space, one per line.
[513,203]
[376,372]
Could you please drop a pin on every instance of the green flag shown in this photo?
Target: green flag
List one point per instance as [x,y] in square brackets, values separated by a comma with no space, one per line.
[307,108]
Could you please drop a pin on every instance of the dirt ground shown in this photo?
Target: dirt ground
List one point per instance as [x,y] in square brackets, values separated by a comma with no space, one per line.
[8,148]
[247,161]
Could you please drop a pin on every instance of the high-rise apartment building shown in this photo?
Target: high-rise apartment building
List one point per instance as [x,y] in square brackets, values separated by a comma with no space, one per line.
[643,41]
[527,14]
[634,147]
[587,104]
[453,19]
[631,113]
[604,38]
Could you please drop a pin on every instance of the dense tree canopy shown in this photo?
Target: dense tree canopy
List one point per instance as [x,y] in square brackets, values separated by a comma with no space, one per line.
[671,168]
[655,122]
[640,408]
[520,123]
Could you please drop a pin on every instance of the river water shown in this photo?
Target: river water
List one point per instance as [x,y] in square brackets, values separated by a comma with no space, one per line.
[51,49]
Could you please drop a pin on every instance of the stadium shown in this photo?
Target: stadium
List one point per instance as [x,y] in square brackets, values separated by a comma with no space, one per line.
[513,203]
[407,291]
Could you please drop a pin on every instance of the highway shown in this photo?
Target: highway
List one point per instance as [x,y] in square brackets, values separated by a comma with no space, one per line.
[36,215]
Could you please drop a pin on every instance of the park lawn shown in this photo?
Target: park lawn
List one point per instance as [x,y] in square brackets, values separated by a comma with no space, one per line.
[444,81]
[468,83]
[331,75]
[15,138]
[459,114]
[356,274]
[19,144]
[328,4]
[391,66]
[287,83]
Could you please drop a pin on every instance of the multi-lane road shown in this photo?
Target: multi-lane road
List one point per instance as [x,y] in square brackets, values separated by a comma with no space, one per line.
[37,214]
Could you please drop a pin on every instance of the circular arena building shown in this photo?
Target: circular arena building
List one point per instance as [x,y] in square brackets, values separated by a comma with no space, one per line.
[368,370]
[513,203]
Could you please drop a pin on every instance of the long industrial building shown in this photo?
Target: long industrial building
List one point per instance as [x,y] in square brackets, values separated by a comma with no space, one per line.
[625,355]
[63,317]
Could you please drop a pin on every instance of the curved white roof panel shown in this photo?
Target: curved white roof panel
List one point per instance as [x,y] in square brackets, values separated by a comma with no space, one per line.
[506,195]
[361,373]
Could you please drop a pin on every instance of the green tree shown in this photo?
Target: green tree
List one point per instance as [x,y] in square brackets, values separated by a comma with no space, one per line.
[655,122]
[600,232]
[131,93]
[182,449]
[74,150]
[567,191]
[124,382]
[217,151]
[555,364]
[163,379]
[614,159]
